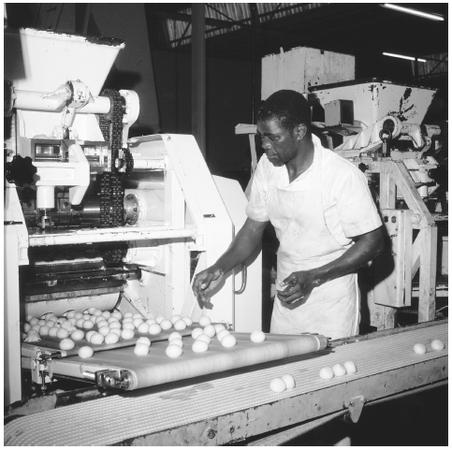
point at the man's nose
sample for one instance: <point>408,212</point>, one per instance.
<point>266,143</point>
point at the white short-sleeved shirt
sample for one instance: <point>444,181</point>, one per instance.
<point>331,192</point>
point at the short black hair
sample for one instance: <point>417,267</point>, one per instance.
<point>290,107</point>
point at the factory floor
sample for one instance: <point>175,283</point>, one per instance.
<point>416,420</point>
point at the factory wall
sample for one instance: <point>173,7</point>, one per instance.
<point>228,102</point>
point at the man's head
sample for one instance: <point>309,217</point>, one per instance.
<point>283,123</point>
<point>289,107</point>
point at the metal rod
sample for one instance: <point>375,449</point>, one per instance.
<point>198,73</point>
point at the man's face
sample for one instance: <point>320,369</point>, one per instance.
<point>278,143</point>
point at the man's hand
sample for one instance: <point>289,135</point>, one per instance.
<point>297,288</point>
<point>205,282</point>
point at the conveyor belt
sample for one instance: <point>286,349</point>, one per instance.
<point>115,419</point>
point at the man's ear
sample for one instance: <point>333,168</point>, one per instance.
<point>300,131</point>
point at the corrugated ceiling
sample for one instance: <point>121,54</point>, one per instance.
<point>222,18</point>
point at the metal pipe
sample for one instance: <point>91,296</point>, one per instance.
<point>42,101</point>
<point>198,75</point>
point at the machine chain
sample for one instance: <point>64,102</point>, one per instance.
<point>111,189</point>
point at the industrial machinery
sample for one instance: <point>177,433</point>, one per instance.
<point>99,223</point>
<point>378,125</point>
<point>95,219</point>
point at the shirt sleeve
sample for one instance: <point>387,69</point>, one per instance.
<point>257,204</point>
<point>357,211</point>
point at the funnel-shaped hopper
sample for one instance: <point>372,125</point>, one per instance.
<point>374,100</point>
<point>42,61</point>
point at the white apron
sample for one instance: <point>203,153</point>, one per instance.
<point>297,213</point>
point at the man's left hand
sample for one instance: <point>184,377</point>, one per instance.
<point>297,288</point>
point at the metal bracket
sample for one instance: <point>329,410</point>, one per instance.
<point>113,379</point>
<point>355,407</point>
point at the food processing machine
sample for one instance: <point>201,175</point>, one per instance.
<point>96,221</point>
<point>379,126</point>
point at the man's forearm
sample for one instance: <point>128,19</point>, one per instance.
<point>365,249</point>
<point>243,246</point>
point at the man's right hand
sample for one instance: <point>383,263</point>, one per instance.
<point>205,282</point>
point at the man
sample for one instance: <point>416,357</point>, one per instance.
<point>324,217</point>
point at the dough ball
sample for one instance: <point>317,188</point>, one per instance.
<point>44,330</point>
<point>173,351</point>
<point>180,325</point>
<point>97,339</point>
<point>350,367</point>
<point>143,328</point>
<point>67,344</point>
<point>187,321</point>
<point>257,336</point>
<point>85,352</point>
<point>97,313</point>
<point>78,315</point>
<point>92,310</point>
<point>420,349</point>
<point>106,314</point>
<point>116,314</point>
<point>90,334</point>
<point>154,329</point>
<point>53,331</point>
<point>437,345</point>
<point>129,326</point>
<point>141,349</point>
<point>326,373</point>
<point>174,335</point>
<point>221,334</point>
<point>175,318</point>
<point>150,321</point>
<point>196,332</point>
<point>178,342</point>
<point>137,316</point>
<point>111,338</point>
<point>277,385</point>
<point>33,321</point>
<point>159,319</point>
<point>219,327</point>
<point>113,325</point>
<point>77,335</point>
<point>32,336</point>
<point>80,323</point>
<point>88,324</point>
<point>42,322</point>
<point>137,322</point>
<point>101,323</point>
<point>204,321</point>
<point>144,340</point>
<point>229,341</point>
<point>127,334</point>
<point>62,333</point>
<point>199,346</point>
<point>67,326</point>
<point>27,327</point>
<point>87,316</point>
<point>104,331</point>
<point>209,330</point>
<point>203,337</point>
<point>116,331</point>
<point>69,314</point>
<point>339,370</point>
<point>166,324</point>
<point>127,315</point>
<point>289,381</point>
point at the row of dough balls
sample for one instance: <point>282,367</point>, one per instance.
<point>338,370</point>
<point>436,345</point>
<point>76,325</point>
